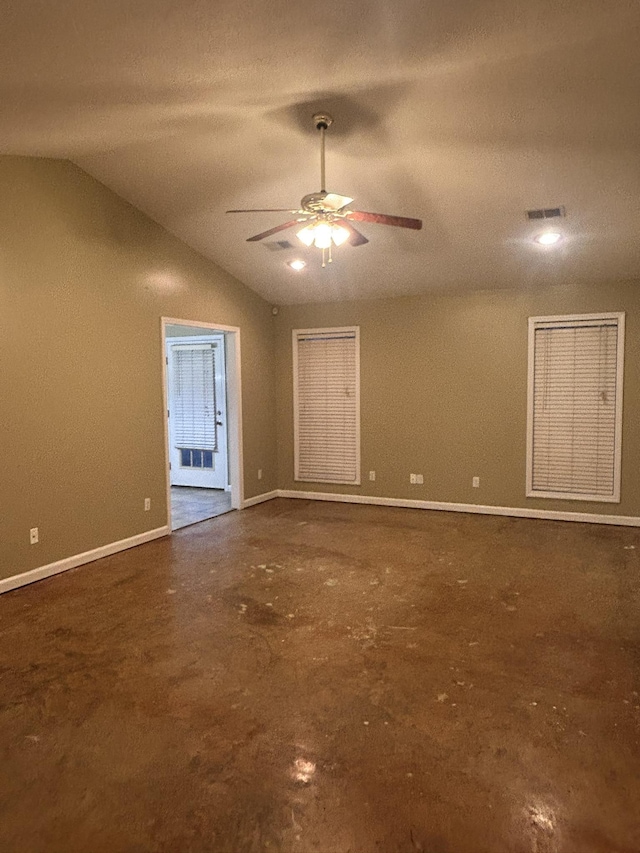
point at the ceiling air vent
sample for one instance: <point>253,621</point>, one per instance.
<point>278,245</point>
<point>546,213</point>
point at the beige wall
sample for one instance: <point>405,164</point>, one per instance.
<point>444,392</point>
<point>84,280</point>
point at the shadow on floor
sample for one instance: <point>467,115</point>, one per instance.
<point>190,505</point>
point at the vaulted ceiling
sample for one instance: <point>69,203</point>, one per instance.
<point>465,114</point>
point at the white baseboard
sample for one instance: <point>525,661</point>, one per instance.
<point>480,509</point>
<point>258,499</point>
<point>81,559</point>
<point>516,512</point>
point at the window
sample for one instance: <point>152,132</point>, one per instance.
<point>195,458</point>
<point>326,401</point>
<point>575,407</point>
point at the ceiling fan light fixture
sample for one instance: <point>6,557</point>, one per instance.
<point>322,234</point>
<point>339,235</point>
<point>307,235</point>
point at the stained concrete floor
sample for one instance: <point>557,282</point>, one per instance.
<point>322,677</point>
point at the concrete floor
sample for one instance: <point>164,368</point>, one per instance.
<point>323,677</point>
<point>190,505</point>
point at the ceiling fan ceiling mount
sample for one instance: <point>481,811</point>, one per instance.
<point>322,121</point>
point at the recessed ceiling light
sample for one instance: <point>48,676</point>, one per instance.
<point>297,265</point>
<point>549,238</point>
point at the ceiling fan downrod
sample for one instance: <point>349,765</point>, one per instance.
<point>322,121</point>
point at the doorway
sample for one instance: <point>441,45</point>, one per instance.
<point>202,420</point>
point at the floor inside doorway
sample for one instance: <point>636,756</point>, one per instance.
<point>190,505</point>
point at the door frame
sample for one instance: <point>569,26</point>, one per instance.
<point>234,405</point>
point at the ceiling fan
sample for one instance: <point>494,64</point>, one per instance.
<point>327,220</point>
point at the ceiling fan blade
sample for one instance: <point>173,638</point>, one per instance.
<point>383,219</point>
<point>355,237</point>
<point>266,210</point>
<point>333,201</point>
<point>275,230</point>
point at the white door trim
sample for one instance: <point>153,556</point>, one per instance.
<point>234,406</point>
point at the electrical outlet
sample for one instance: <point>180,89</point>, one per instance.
<point>372,475</point>
<point>34,536</point>
<point>259,473</point>
<point>147,504</point>
<point>412,479</point>
<point>476,482</point>
<point>419,479</point>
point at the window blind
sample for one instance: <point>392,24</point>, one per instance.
<point>327,405</point>
<point>194,396</point>
<point>575,408</point>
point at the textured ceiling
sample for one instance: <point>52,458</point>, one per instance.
<point>464,114</point>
